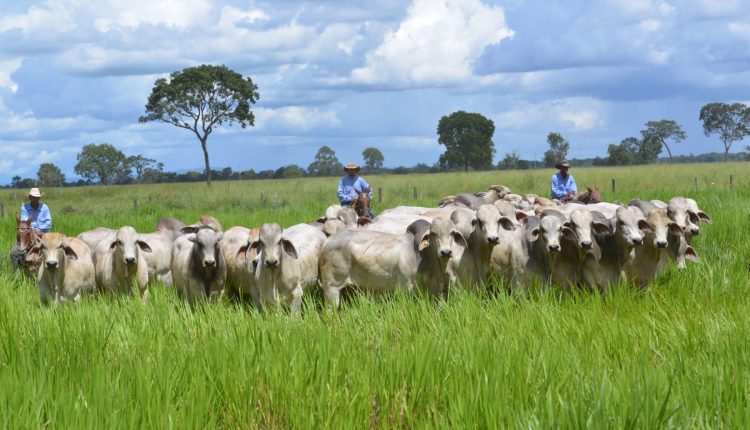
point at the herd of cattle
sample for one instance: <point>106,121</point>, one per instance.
<point>522,241</point>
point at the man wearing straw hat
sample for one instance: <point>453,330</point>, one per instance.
<point>562,185</point>
<point>351,185</point>
<point>41,222</point>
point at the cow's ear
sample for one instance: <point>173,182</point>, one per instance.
<point>507,223</point>
<point>321,219</point>
<point>18,219</point>
<point>241,255</point>
<point>424,242</point>
<point>193,239</point>
<point>143,245</point>
<point>289,248</point>
<point>705,218</point>
<point>691,255</point>
<point>220,237</point>
<point>603,229</point>
<point>569,234</point>
<point>70,252</point>
<point>520,216</point>
<point>255,246</point>
<point>534,234</point>
<point>674,229</point>
<point>694,218</point>
<point>189,229</point>
<point>645,226</point>
<point>473,222</point>
<point>459,238</point>
<point>113,245</point>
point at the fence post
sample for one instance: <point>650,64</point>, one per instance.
<point>730,181</point>
<point>275,200</point>
<point>613,185</point>
<point>2,210</point>
<point>415,193</point>
<point>135,203</point>
<point>696,183</point>
<point>380,195</point>
<point>149,198</point>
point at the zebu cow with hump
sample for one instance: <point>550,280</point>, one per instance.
<point>288,263</point>
<point>472,269</point>
<point>121,262</point>
<point>198,267</point>
<point>66,271</point>
<point>617,250</point>
<point>380,262</point>
<point>241,261</point>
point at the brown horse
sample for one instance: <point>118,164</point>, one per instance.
<point>27,237</point>
<point>589,196</point>
<point>361,206</point>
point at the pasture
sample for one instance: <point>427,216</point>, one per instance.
<point>675,355</point>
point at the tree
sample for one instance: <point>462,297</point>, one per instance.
<point>373,158</point>
<point>648,151</point>
<point>661,131</point>
<point>468,140</point>
<point>102,162</point>
<point>15,182</point>
<point>141,165</point>
<point>626,153</point>
<point>558,149</point>
<point>730,121</point>
<point>289,171</point>
<point>201,98</point>
<point>325,163</point>
<point>50,175</point>
<point>511,161</point>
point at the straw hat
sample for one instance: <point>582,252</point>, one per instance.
<point>34,192</point>
<point>352,166</point>
<point>562,163</point>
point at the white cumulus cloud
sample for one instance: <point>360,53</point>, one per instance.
<point>438,42</point>
<point>7,67</point>
<point>576,113</point>
<point>296,118</point>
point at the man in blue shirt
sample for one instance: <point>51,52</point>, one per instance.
<point>351,184</point>
<point>562,185</point>
<point>41,222</point>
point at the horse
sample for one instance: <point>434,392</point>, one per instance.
<point>589,196</point>
<point>361,206</point>
<point>26,238</point>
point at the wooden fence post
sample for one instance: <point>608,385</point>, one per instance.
<point>730,181</point>
<point>415,193</point>
<point>613,185</point>
<point>696,183</point>
<point>149,198</point>
<point>380,195</point>
<point>135,203</point>
<point>275,200</point>
<point>2,210</point>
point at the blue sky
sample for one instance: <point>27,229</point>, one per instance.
<point>355,74</point>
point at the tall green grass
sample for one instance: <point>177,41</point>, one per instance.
<point>676,355</point>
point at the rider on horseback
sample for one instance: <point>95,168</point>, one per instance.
<point>351,186</point>
<point>41,222</point>
<point>562,185</point>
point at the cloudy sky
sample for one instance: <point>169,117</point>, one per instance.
<point>351,74</point>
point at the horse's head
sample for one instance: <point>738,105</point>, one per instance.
<point>25,234</point>
<point>361,204</point>
<point>595,194</point>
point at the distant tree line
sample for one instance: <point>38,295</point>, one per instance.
<point>466,136</point>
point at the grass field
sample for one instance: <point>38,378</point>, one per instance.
<point>677,355</point>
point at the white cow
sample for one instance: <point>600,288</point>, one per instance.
<point>241,262</point>
<point>66,271</point>
<point>198,267</point>
<point>288,263</point>
<point>121,262</point>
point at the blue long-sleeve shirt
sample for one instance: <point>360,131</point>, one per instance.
<point>347,185</point>
<point>41,219</point>
<point>560,187</point>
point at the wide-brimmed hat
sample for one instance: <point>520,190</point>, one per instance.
<point>562,163</point>
<point>352,166</point>
<point>34,192</point>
